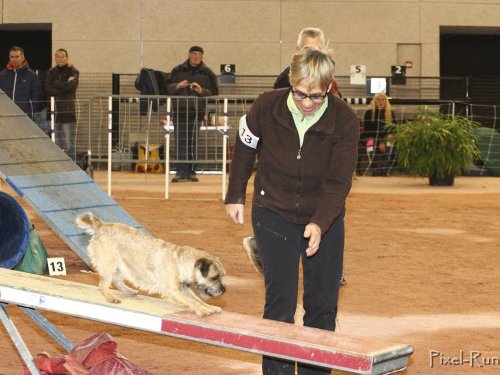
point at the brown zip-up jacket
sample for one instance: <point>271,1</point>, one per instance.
<point>307,184</point>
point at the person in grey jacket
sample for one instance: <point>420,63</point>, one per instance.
<point>21,84</point>
<point>307,140</point>
<point>61,83</point>
<point>191,78</point>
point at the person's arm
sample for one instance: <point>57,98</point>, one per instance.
<point>73,81</point>
<point>36,94</point>
<point>176,83</point>
<point>50,88</point>
<point>367,132</point>
<point>213,88</point>
<point>241,169</point>
<point>245,150</point>
<point>338,178</point>
<point>68,84</point>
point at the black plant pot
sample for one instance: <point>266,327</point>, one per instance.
<point>441,180</point>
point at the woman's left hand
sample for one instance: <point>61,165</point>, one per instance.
<point>236,212</point>
<point>313,232</point>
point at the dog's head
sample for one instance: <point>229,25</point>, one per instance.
<point>207,278</point>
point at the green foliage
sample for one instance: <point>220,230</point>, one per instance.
<point>435,145</point>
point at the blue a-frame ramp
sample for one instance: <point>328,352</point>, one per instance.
<point>49,181</point>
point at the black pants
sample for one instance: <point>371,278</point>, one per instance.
<point>186,141</point>
<point>282,246</point>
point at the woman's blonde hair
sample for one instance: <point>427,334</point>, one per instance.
<point>313,64</point>
<point>387,109</point>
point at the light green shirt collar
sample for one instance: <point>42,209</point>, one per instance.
<point>304,122</point>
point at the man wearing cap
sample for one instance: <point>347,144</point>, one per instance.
<point>191,78</point>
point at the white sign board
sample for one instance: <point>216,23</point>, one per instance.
<point>358,74</point>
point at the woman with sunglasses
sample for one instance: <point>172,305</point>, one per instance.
<point>307,143</point>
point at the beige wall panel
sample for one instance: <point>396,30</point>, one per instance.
<point>250,58</point>
<point>413,54</point>
<point>342,21</point>
<point>471,2</point>
<point>102,56</point>
<point>435,15</point>
<point>79,20</point>
<point>218,21</point>
<point>258,36</point>
<point>430,60</point>
<point>378,58</point>
<point>286,53</point>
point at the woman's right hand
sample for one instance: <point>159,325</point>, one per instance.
<point>235,211</point>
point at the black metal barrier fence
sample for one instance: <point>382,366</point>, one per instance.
<point>198,125</point>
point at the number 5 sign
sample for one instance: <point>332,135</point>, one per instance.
<point>358,74</point>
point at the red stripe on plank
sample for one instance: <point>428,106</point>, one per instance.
<point>267,346</point>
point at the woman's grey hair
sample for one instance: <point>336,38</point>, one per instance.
<point>310,32</point>
<point>314,65</point>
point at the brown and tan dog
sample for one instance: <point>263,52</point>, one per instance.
<point>122,253</point>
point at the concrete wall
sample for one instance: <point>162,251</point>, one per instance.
<point>258,36</point>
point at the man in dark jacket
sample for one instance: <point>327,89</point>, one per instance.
<point>191,78</point>
<point>61,83</point>
<point>20,83</point>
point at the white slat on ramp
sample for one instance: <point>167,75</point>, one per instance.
<point>49,181</point>
<point>231,330</point>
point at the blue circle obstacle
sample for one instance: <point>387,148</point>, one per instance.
<point>14,231</point>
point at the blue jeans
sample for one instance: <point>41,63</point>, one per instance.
<point>282,246</point>
<point>42,122</point>
<point>65,137</point>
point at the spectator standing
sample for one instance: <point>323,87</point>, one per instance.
<point>312,37</point>
<point>191,78</point>
<point>61,83</point>
<point>307,142</point>
<point>21,84</point>
<point>374,137</point>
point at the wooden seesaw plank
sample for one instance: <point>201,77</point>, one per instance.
<point>227,329</point>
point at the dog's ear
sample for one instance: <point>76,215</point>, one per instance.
<point>204,265</point>
<point>219,265</point>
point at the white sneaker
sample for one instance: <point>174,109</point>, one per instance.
<point>252,251</point>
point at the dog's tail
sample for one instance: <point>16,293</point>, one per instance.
<point>89,222</point>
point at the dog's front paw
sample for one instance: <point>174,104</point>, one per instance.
<point>207,310</point>
<point>113,299</point>
<point>216,309</point>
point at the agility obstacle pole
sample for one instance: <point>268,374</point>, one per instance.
<point>227,329</point>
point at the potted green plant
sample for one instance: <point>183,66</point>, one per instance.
<point>436,146</point>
